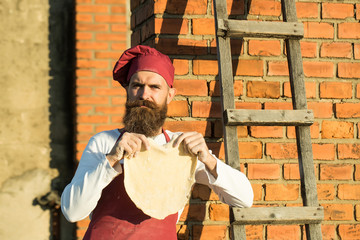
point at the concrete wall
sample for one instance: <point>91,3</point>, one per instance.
<point>25,173</point>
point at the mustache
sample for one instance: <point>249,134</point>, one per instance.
<point>141,103</point>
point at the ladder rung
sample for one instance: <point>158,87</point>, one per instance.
<point>277,215</point>
<point>242,28</point>
<point>241,117</point>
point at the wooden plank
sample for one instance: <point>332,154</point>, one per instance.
<point>303,138</point>
<point>238,232</point>
<point>278,215</point>
<point>243,28</point>
<point>226,87</point>
<point>245,117</point>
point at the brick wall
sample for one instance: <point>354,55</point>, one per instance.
<point>185,30</point>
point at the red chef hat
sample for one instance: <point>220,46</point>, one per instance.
<point>143,58</point>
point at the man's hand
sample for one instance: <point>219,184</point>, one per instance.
<point>194,143</point>
<point>127,146</point>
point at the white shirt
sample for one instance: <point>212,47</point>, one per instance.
<point>94,173</point>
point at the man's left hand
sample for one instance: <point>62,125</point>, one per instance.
<point>194,144</point>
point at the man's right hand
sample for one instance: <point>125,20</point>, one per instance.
<point>128,145</point>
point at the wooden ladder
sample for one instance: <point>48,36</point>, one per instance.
<point>311,214</point>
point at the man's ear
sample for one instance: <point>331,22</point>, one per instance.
<point>171,95</point>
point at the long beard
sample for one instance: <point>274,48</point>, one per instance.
<point>144,120</point>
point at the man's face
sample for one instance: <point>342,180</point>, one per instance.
<point>147,97</point>
<point>150,86</point>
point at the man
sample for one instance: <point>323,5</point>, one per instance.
<point>97,187</point>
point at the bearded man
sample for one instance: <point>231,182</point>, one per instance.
<point>98,185</point>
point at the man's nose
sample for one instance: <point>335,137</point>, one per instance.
<point>144,93</point>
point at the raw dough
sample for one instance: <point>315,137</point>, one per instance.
<point>159,180</point>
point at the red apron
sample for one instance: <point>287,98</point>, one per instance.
<point>116,217</point>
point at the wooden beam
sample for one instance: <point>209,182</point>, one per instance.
<point>277,215</point>
<point>243,28</point>
<point>246,117</point>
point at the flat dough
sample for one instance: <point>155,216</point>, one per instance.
<point>159,180</point>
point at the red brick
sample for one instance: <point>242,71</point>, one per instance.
<point>118,100</point>
<point>314,131</point>
<point>247,105</point>
<point>326,191</point>
<point>263,171</point>
<point>203,26</point>
<point>91,27</point>
<point>266,131</point>
<point>83,137</point>
<point>357,11</point>
<point>91,46</point>
<point>357,212</point>
<point>84,18</point>
<point>349,191</point>
<point>235,44</point>
<point>202,127</point>
<point>92,8</point>
<point>84,36</point>
<point>318,30</point>
<point>191,87</point>
<point>110,110</point>
<point>310,88</point>
<point>110,18</point>
<point>83,73</point>
<point>203,192</point>
<point>257,189</point>
<point>318,69</point>
<point>328,232</point>
<point>307,10</point>
<point>336,90</point>
<point>358,90</point>
<point>349,30</point>
<point>109,91</point>
<point>206,109</point>
<point>349,70</point>
<point>84,54</point>
<point>119,46</point>
<point>254,231</point>
<point>338,212</point>
<point>98,64</point>
<point>107,55</point>
<point>349,231</point>
<point>281,192</point>
<point>357,50</point>
<point>264,48</point>
<point>92,100</point>
<point>250,150</point>
<point>178,109</point>
<point>117,120</point>
<point>83,91</point>
<point>181,66</point>
<point>242,131</point>
<point>107,127</point>
<point>187,7</point>
<point>335,172</point>
<point>248,67</point>
<point>281,150</point>
<point>123,28</point>
<point>324,151</point>
<point>278,68</point>
<point>209,232</point>
<point>321,109</point>
<point>219,212</point>
<point>83,109</point>
<point>308,49</point>
<point>205,67</point>
<point>336,49</point>
<point>278,105</point>
<point>265,8</point>
<point>214,88</point>
<point>171,26</point>
<point>118,9</point>
<point>261,89</point>
<point>291,171</point>
<point>93,119</point>
<point>357,173</point>
<point>337,129</point>
<point>110,1</point>
<point>337,10</point>
<point>348,151</point>
<point>195,212</point>
<point>84,128</point>
<point>283,232</point>
<point>110,37</point>
<point>347,110</point>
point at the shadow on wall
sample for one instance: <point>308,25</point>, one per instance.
<point>61,108</point>
<point>238,10</point>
